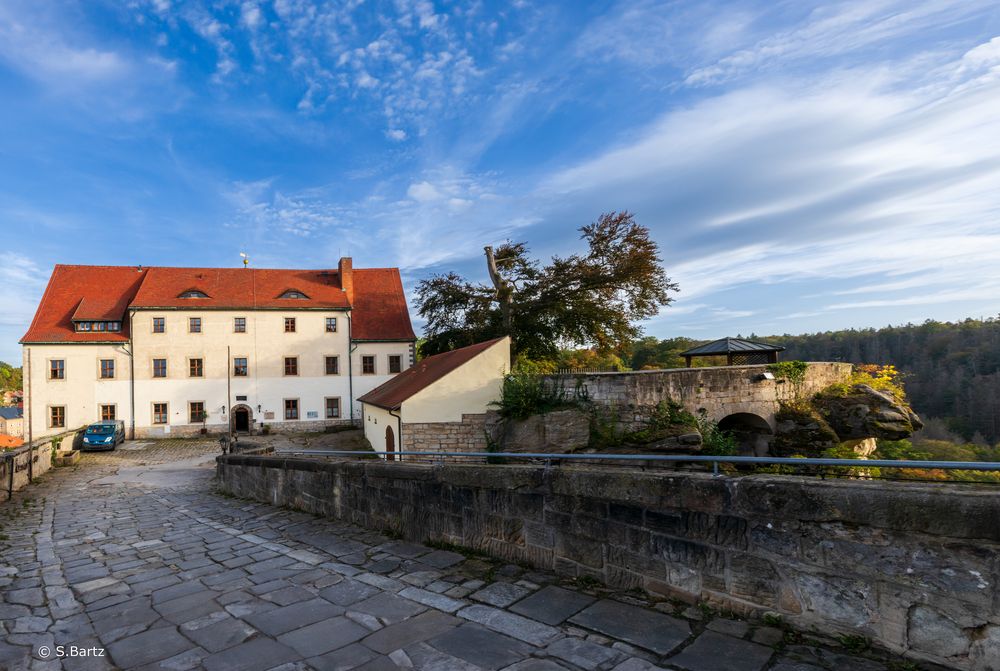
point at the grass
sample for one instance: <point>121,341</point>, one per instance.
<point>854,643</point>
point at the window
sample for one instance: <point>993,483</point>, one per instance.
<point>291,408</point>
<point>194,325</point>
<point>57,416</point>
<point>289,324</point>
<point>159,367</point>
<point>240,368</point>
<point>107,369</point>
<point>332,365</point>
<point>291,365</point>
<point>395,363</point>
<point>332,408</point>
<point>108,413</point>
<point>194,293</point>
<point>196,411</point>
<point>294,293</point>
<point>98,326</point>
<point>159,413</point>
<point>239,325</point>
<point>196,367</point>
<point>331,324</point>
<point>57,369</point>
<point>367,365</point>
<point>159,325</point>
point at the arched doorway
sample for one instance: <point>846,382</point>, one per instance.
<point>242,419</point>
<point>390,444</point>
<point>752,433</point>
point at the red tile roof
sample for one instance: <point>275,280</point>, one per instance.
<point>74,288</point>
<point>425,373</point>
<point>9,442</point>
<point>240,288</point>
<point>380,306</point>
<point>104,293</point>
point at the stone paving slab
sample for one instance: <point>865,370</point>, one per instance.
<point>487,649</point>
<point>714,651</point>
<point>652,631</point>
<point>165,574</point>
<point>552,605</point>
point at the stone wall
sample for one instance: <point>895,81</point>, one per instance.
<point>721,390</point>
<point>912,566</point>
<point>18,467</point>
<point>469,435</point>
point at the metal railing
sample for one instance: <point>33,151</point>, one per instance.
<point>715,461</point>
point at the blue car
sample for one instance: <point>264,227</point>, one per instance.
<point>104,435</point>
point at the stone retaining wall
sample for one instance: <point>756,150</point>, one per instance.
<point>24,464</point>
<point>912,566</point>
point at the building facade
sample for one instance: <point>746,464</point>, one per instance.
<point>12,422</point>
<point>178,351</point>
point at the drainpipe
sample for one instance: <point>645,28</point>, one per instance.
<point>131,374</point>
<point>399,431</point>
<point>27,361</point>
<point>350,367</point>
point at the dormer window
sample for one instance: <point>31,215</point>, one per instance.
<point>193,293</point>
<point>295,294</point>
<point>82,326</point>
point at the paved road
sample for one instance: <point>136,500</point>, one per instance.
<point>133,554</point>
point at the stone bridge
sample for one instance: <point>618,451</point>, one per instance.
<point>740,398</point>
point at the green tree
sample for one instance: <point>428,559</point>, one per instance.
<point>10,377</point>
<point>592,300</point>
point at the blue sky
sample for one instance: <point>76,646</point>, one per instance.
<point>803,165</point>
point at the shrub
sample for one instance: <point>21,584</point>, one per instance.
<point>880,378</point>
<point>526,393</point>
<point>793,371</point>
<point>715,441</point>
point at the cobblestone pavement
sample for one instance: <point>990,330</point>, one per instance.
<point>132,553</point>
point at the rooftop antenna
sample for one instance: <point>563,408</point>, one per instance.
<point>246,259</point>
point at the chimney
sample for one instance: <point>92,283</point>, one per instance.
<point>346,272</point>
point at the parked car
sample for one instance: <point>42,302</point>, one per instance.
<point>104,435</point>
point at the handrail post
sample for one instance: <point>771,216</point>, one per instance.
<point>715,469</point>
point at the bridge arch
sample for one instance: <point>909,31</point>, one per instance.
<point>752,432</point>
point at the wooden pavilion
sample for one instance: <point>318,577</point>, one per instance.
<point>738,352</point>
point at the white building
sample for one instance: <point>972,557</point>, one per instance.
<point>11,422</point>
<point>441,403</point>
<point>174,350</point>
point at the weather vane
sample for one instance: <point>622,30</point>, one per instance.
<point>246,259</point>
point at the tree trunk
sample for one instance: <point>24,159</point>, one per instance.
<point>505,293</point>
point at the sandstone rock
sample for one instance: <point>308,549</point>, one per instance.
<point>930,631</point>
<point>863,447</point>
<point>559,432</point>
<point>801,431</point>
<point>867,413</point>
<point>985,651</point>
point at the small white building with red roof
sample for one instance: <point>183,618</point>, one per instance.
<point>441,404</point>
<point>175,351</point>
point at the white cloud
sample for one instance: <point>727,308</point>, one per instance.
<point>396,134</point>
<point>33,46</point>
<point>423,192</point>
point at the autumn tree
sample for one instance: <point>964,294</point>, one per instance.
<point>595,299</point>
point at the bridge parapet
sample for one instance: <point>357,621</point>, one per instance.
<point>721,390</point>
